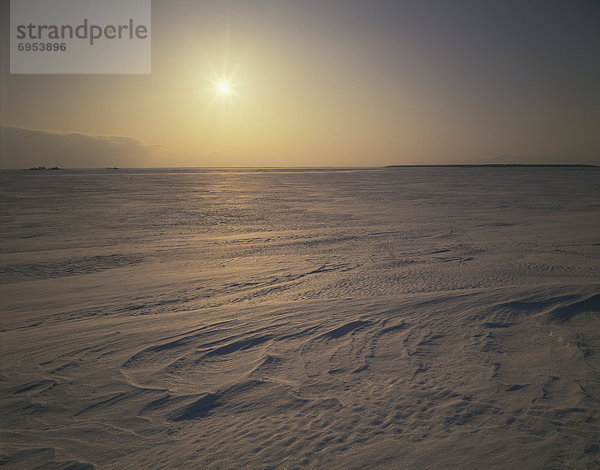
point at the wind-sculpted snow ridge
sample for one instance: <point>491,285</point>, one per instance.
<point>423,379</point>
<point>351,320</point>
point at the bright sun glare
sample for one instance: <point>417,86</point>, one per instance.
<point>223,88</point>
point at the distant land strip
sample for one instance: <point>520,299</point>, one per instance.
<point>503,165</point>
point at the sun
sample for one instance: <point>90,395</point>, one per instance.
<point>223,88</point>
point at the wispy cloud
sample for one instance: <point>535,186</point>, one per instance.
<point>22,147</point>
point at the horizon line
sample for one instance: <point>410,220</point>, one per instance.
<point>416,165</point>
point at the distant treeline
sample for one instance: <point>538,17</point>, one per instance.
<point>38,168</point>
<point>43,168</point>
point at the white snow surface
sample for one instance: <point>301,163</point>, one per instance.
<point>392,318</point>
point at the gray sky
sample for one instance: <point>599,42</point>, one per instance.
<point>327,83</point>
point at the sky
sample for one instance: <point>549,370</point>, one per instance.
<point>325,83</point>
